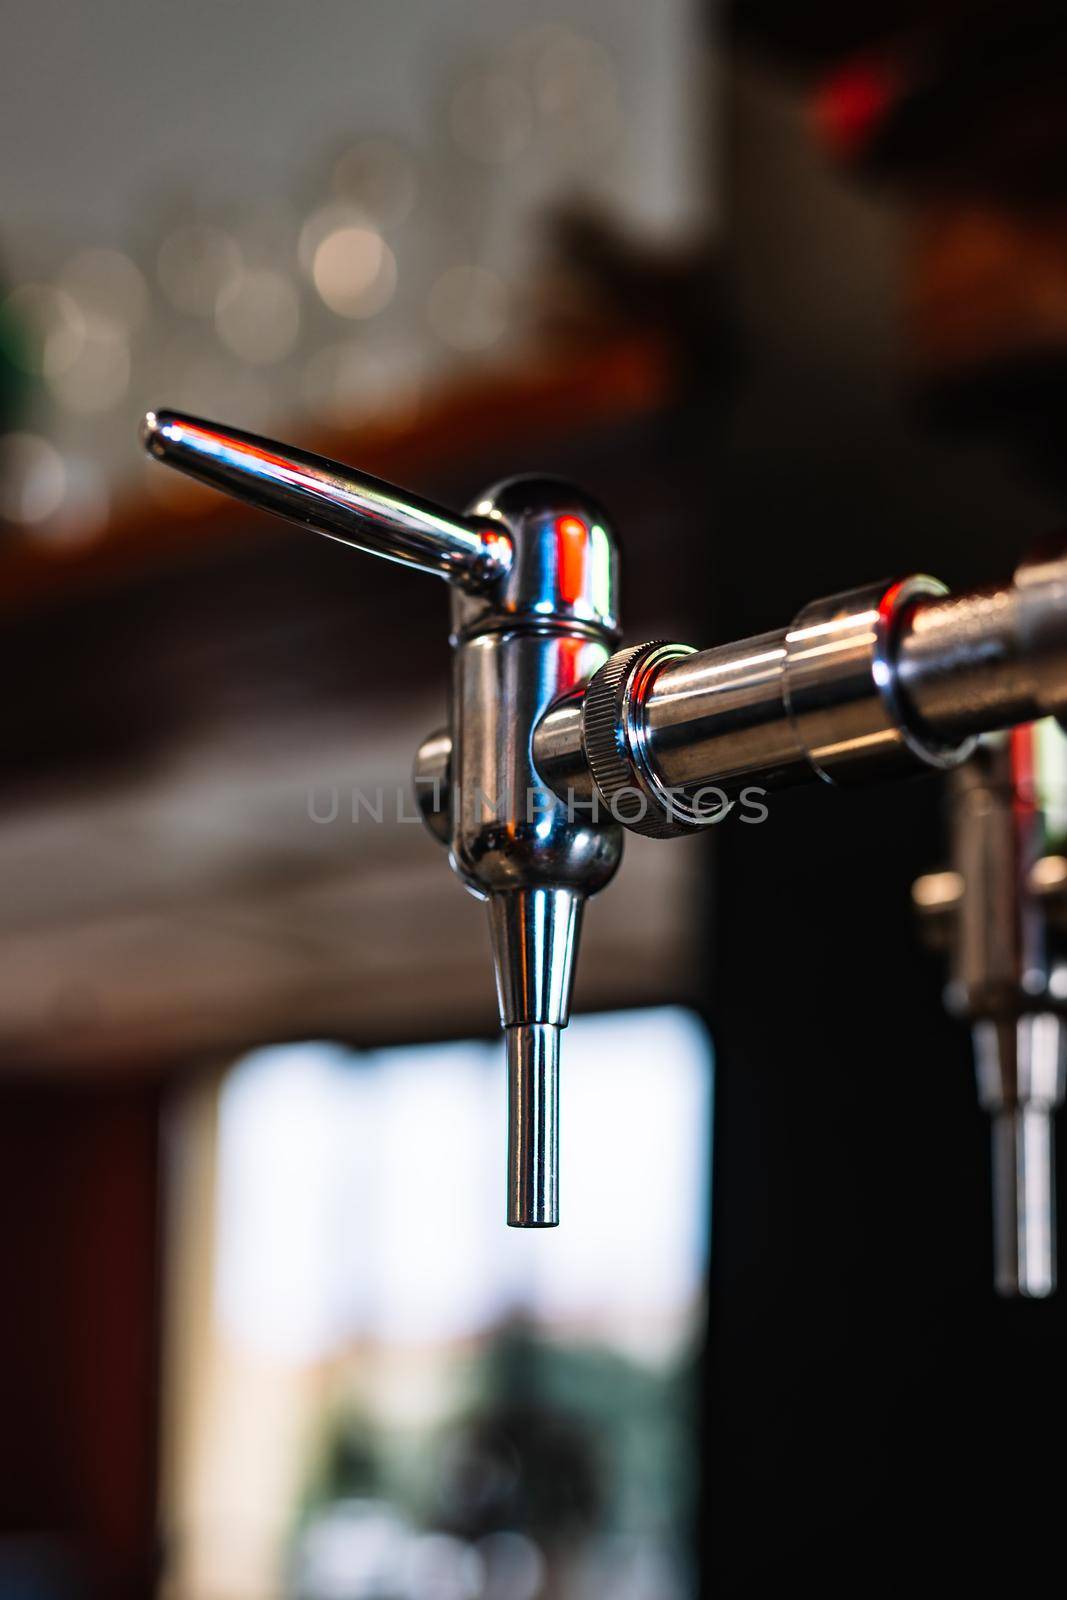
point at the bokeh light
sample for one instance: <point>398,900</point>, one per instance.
<point>33,478</point>
<point>259,318</point>
<point>109,289</point>
<point>491,117</point>
<point>51,328</point>
<point>379,177</point>
<point>468,308</point>
<point>354,271</point>
<point>197,264</point>
<point>98,377</point>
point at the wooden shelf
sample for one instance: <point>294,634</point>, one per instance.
<point>595,385</point>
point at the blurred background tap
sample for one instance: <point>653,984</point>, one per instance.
<point>998,913</point>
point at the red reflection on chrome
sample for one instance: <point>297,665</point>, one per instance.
<point>253,458</point>
<point>1023,768</point>
<point>572,543</point>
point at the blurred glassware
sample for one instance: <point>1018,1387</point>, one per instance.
<point>197,265</point>
<point>33,478</point>
<point>380,178</point>
<point>390,271</point>
<point>98,376</point>
<point>348,380</point>
<point>108,288</point>
<point>84,509</point>
<point>50,328</point>
<point>575,91</point>
<point>490,116</point>
<point>354,271</point>
<point>320,224</point>
<point>259,317</point>
<point>468,308</point>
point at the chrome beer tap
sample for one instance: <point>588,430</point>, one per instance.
<point>1000,913</point>
<point>557,739</point>
<point>533,571</point>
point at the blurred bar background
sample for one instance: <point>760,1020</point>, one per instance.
<point>786,288</point>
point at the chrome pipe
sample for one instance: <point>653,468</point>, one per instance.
<point>723,712</point>
<point>1024,1228</point>
<point>994,657</point>
<point>533,1124</point>
<point>534,935</point>
<point>884,680</point>
<point>961,665</point>
<point>957,666</point>
<point>1022,1105</point>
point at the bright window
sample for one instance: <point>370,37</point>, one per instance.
<point>411,1401</point>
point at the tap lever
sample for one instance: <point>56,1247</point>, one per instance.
<point>332,499</point>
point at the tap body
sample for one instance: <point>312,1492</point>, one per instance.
<point>517,648</point>
<point>533,573</point>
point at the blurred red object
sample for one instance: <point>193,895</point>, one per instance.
<point>852,104</point>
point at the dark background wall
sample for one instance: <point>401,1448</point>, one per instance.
<point>876,1417</point>
<point>79,1339</point>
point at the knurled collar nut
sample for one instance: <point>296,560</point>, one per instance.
<point>616,747</point>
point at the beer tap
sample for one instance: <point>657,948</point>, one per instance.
<point>1000,912</point>
<point>558,739</point>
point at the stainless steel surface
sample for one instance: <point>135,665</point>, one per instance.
<point>563,566</point>
<point>559,748</point>
<point>615,736</point>
<point>1024,1231</point>
<point>533,1124</point>
<point>513,841</point>
<point>993,657</point>
<point>893,678</point>
<point>433,783</point>
<point>1019,1064</point>
<point>1000,915</point>
<point>535,938</point>
<point>1041,585</point>
<point>331,499</point>
<point>841,685</point>
<point>534,933</point>
<point>545,724</point>
<point>678,732</point>
<point>721,716</point>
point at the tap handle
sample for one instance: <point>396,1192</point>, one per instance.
<point>331,499</point>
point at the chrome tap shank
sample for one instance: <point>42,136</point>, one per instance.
<point>890,679</point>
